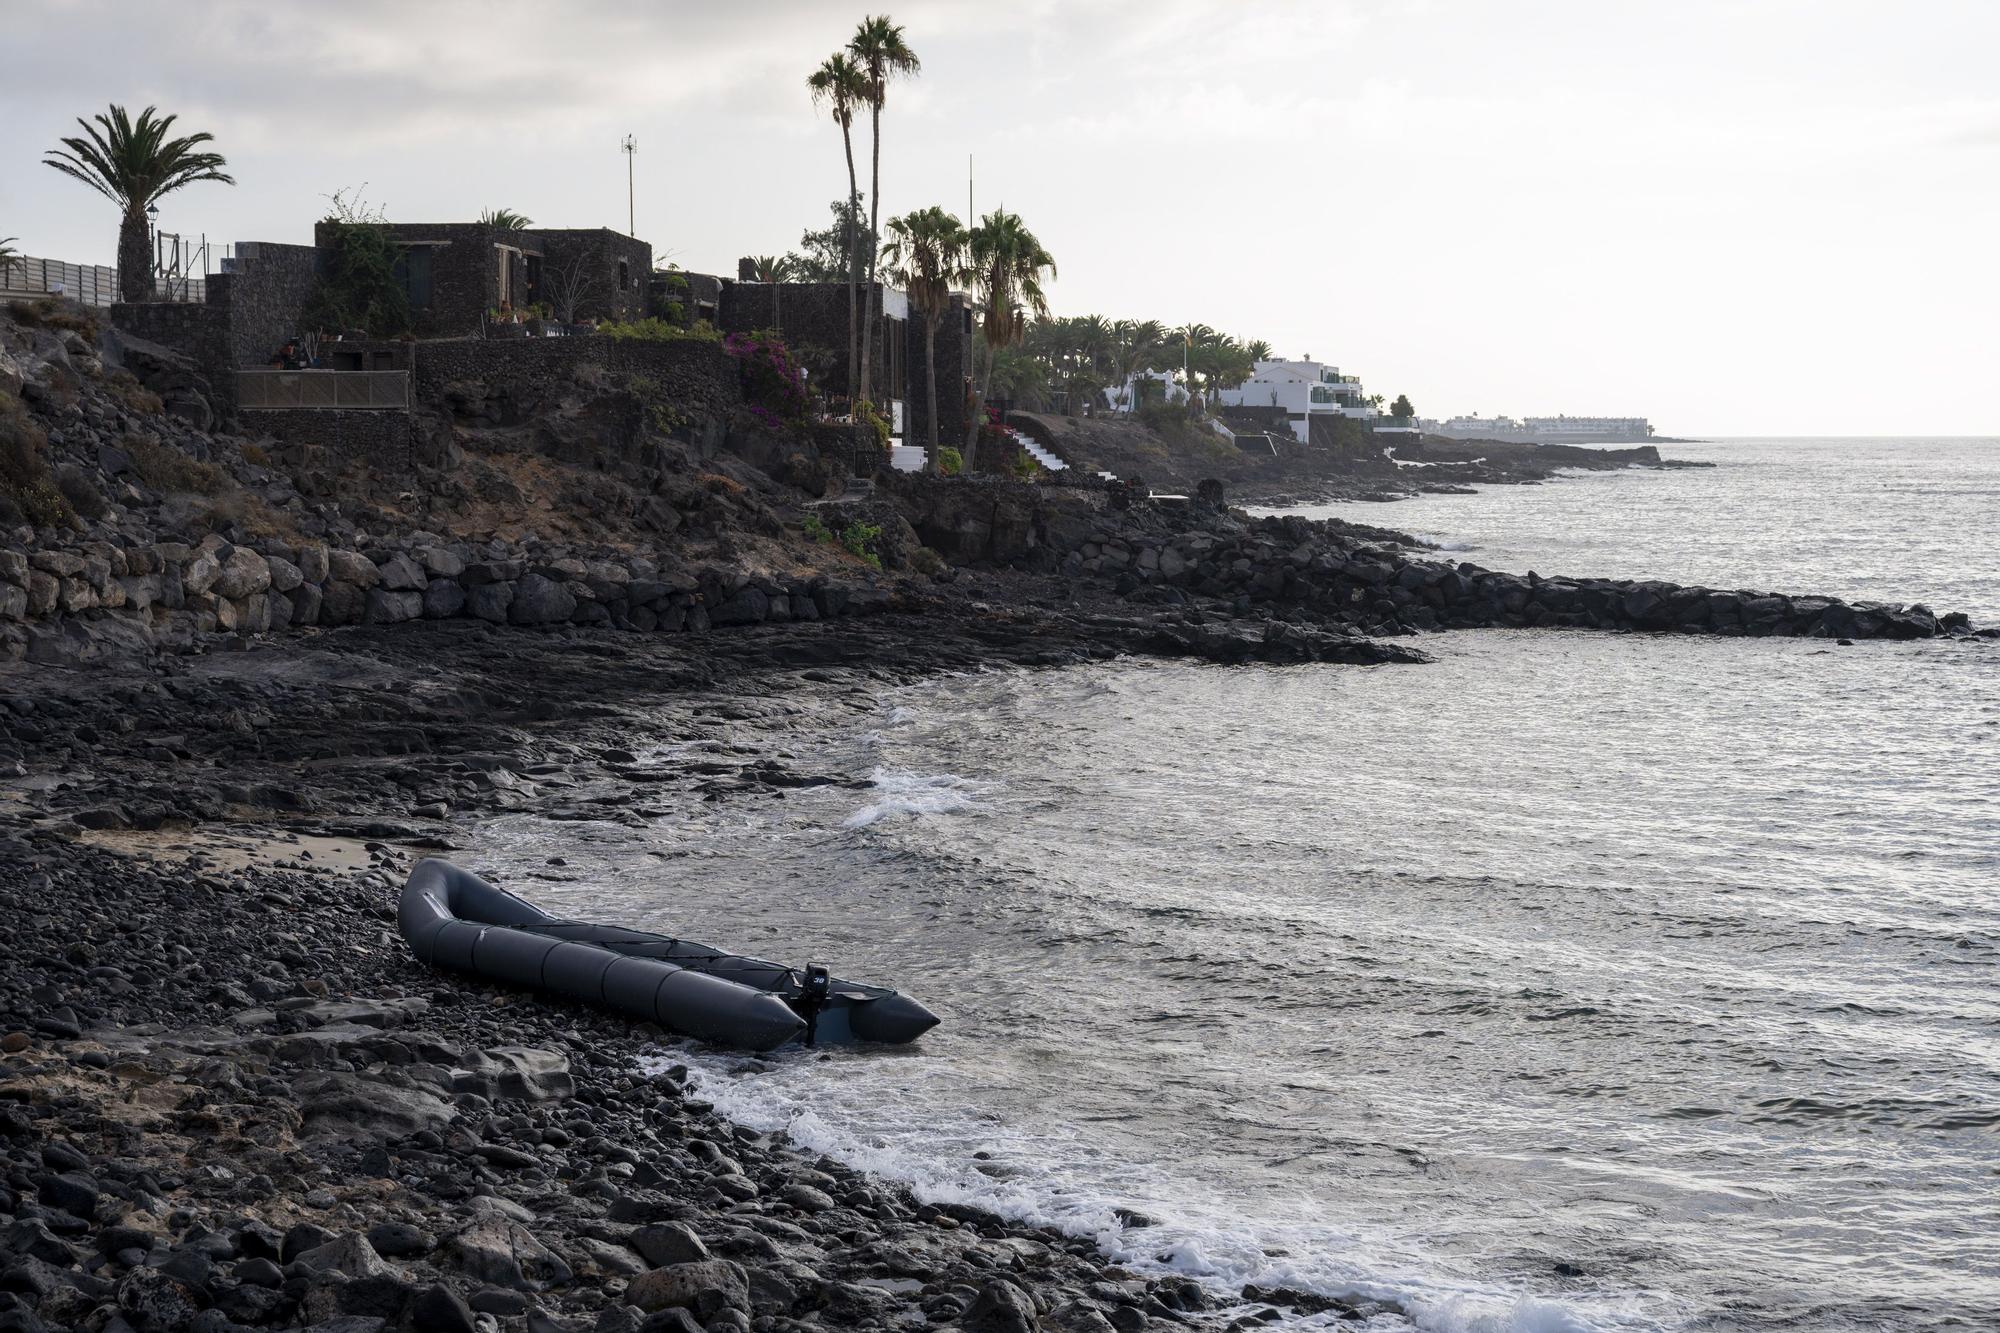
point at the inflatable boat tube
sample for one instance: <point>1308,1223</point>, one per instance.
<point>453,919</point>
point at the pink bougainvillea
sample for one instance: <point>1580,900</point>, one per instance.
<point>774,384</point>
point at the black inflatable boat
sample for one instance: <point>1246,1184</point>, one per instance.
<point>454,919</point>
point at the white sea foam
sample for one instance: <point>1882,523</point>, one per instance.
<point>849,1109</point>
<point>1443,543</point>
<point>901,793</point>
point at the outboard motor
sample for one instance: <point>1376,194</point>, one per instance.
<point>814,991</point>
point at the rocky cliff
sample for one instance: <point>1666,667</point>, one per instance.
<point>129,522</point>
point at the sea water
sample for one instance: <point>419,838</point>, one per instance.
<point>1576,981</point>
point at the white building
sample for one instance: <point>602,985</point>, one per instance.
<point>1588,428</point>
<point>1476,427</point>
<point>1146,387</point>
<point>1544,430</point>
<point>1304,389</point>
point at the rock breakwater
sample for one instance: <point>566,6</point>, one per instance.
<point>1293,562</point>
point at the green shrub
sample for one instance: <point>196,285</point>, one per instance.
<point>166,469</point>
<point>246,516</point>
<point>950,461</point>
<point>660,410</point>
<point>48,313</point>
<point>136,397</point>
<point>865,413</point>
<point>860,540</point>
<point>656,330</point>
<point>26,480</point>
<point>358,287</point>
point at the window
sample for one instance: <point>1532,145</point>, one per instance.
<point>624,276</point>
<point>413,271</point>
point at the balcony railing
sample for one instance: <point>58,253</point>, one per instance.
<point>384,390</point>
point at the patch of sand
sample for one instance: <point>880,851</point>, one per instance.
<point>221,849</point>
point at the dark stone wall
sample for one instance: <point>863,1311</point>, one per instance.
<point>465,271</point>
<point>812,317</point>
<point>264,296</point>
<point>702,298</point>
<point>247,315</point>
<point>465,276</point>
<point>200,332</point>
<point>379,438</point>
<point>618,268</point>
<point>692,374</point>
<point>851,450</point>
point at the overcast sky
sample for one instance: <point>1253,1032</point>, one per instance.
<point>1752,216</point>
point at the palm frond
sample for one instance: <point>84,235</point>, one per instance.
<point>840,85</point>
<point>881,51</point>
<point>505,219</point>
<point>133,162</point>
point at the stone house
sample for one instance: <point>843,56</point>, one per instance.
<point>455,273</point>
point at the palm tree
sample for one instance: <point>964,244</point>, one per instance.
<point>927,251</point>
<point>1140,344</point>
<point>134,164</point>
<point>1214,361</point>
<point>505,219</point>
<point>1259,350</point>
<point>841,86</point>
<point>1021,374</point>
<point>878,48</point>
<point>776,270</point>
<point>9,256</point>
<point>1008,266</point>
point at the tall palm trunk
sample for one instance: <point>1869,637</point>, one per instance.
<point>853,263</point>
<point>874,231</point>
<point>983,379</point>
<point>932,462</point>
<point>135,257</point>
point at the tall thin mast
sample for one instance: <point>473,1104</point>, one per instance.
<point>631,147</point>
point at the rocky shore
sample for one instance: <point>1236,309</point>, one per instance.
<point>230,1098</point>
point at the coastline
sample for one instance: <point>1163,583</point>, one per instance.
<point>231,1094</point>
<point>335,1129</point>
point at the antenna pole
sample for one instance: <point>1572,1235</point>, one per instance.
<point>971,213</point>
<point>631,147</point>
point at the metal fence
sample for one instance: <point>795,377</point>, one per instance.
<point>92,284</point>
<point>387,390</point>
